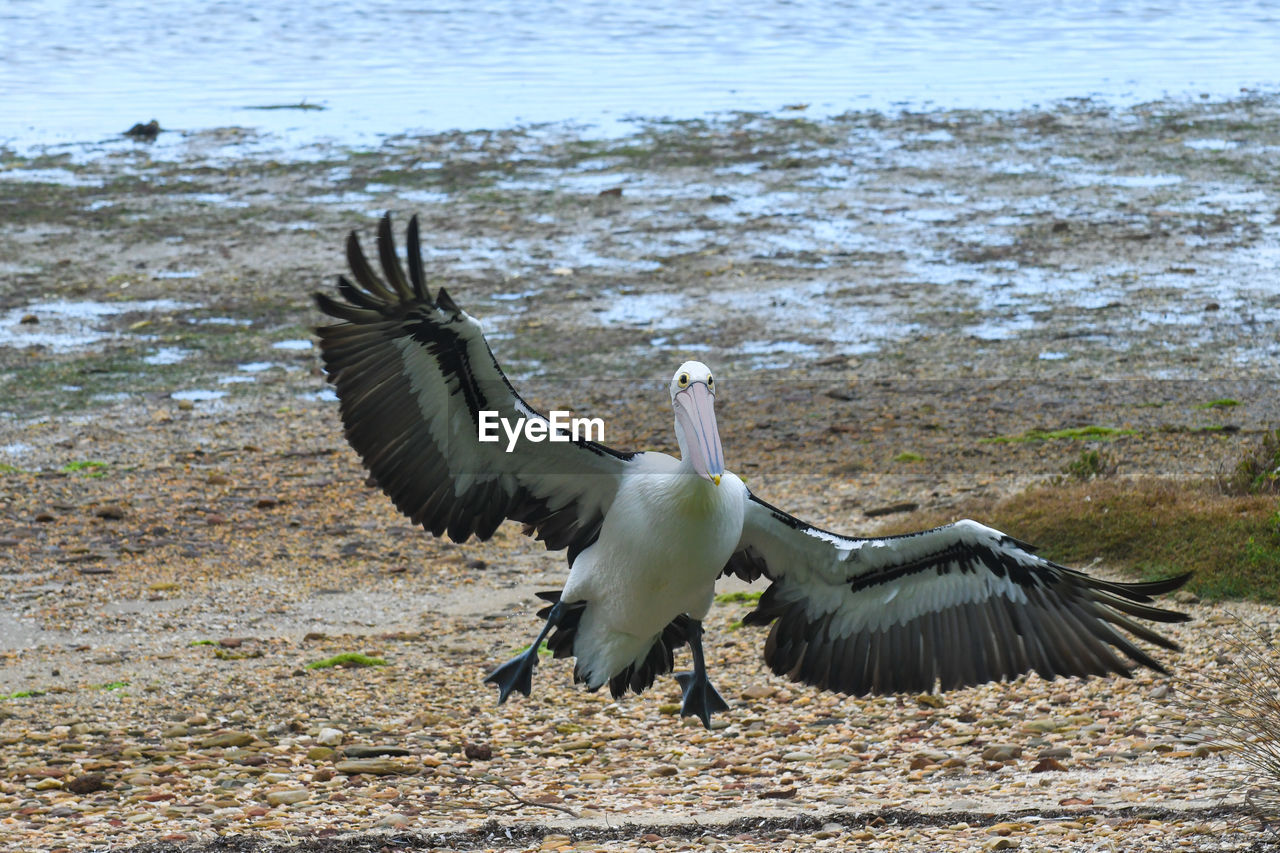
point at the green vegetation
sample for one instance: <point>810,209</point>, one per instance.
<point>1258,471</point>
<point>908,456</point>
<point>204,642</point>
<point>88,467</point>
<point>1238,701</point>
<point>1152,528</point>
<point>542,649</point>
<point>1085,432</point>
<point>237,654</point>
<point>1224,403</point>
<point>23,694</point>
<point>731,597</point>
<point>347,659</point>
<point>1089,465</point>
<point>9,469</point>
<point>110,685</point>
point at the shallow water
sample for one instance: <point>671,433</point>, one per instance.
<point>88,70</point>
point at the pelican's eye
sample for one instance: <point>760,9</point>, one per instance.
<point>683,380</point>
<point>711,382</point>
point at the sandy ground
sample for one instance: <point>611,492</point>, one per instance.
<point>183,530</point>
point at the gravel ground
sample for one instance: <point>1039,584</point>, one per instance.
<point>173,558</point>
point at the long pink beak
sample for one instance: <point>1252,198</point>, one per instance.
<point>695,408</point>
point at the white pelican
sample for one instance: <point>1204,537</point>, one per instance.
<point>647,534</point>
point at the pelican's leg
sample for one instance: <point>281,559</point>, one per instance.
<point>700,698</point>
<point>517,673</point>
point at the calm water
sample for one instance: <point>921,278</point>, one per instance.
<point>85,70</point>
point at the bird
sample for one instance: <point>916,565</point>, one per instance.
<point>647,534</point>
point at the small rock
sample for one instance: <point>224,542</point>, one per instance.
<point>1001,844</point>
<point>48,784</point>
<point>144,131</point>
<point>394,821</point>
<point>320,753</point>
<point>829,830</point>
<point>29,319</point>
<point>372,766</point>
<point>664,771</point>
<point>329,737</point>
<point>1046,765</point>
<point>373,751</point>
<point>1160,691</point>
<point>324,774</point>
<point>1002,752</point>
<point>1055,752</point>
<point>88,783</point>
<point>110,512</point>
<point>1186,596</point>
<point>267,503</point>
<point>759,691</point>
<point>226,740</point>
<point>287,798</point>
<point>477,564</point>
<point>478,751</point>
<point>1042,725</point>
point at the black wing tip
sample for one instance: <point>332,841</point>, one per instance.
<point>445,302</point>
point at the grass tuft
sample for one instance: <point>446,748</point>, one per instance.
<point>347,659</point>
<point>1258,471</point>
<point>1089,465</point>
<point>1239,702</point>
<point>1085,432</point>
<point>908,456</point>
<point>1224,403</point>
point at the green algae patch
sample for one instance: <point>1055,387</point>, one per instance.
<point>349,660</point>
<point>1101,433</point>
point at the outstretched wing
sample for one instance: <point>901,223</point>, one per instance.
<point>957,605</point>
<point>413,374</point>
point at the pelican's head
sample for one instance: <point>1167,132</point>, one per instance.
<point>693,393</point>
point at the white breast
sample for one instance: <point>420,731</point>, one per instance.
<point>661,547</point>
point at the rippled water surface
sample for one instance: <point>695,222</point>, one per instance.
<point>87,70</point>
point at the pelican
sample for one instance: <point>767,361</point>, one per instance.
<point>647,534</point>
